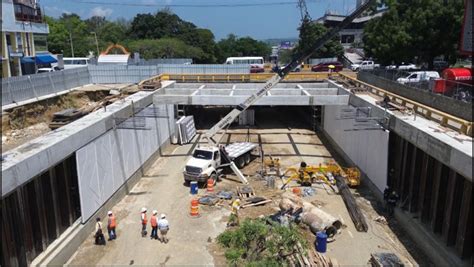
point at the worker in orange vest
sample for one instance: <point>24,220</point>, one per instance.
<point>154,225</point>
<point>144,222</point>
<point>111,224</point>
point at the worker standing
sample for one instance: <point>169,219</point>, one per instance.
<point>111,224</point>
<point>154,225</point>
<point>234,215</point>
<point>99,235</point>
<point>163,226</point>
<point>392,202</point>
<point>144,222</point>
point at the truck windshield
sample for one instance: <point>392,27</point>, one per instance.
<point>202,154</point>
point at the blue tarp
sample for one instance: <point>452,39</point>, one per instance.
<point>27,60</point>
<point>45,59</point>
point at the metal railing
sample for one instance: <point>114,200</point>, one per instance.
<point>21,88</point>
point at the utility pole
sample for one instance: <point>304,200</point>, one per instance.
<point>96,43</point>
<point>72,47</point>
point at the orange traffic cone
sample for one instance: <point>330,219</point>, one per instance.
<point>194,207</point>
<point>210,185</point>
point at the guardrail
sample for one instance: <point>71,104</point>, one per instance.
<point>444,119</point>
<point>251,77</point>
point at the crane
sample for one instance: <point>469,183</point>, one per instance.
<point>202,165</point>
<point>281,74</point>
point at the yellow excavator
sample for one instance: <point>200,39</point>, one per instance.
<point>308,174</point>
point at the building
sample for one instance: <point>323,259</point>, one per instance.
<point>24,33</point>
<point>352,35</point>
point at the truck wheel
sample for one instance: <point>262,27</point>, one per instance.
<point>240,161</point>
<point>247,158</point>
<point>214,177</point>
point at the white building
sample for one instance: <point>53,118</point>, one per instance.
<point>24,33</point>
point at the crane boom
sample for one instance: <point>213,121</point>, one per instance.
<point>281,74</point>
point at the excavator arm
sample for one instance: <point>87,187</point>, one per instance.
<point>280,75</point>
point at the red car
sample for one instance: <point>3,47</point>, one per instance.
<point>325,66</point>
<point>256,69</point>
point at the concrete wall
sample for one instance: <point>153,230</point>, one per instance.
<point>106,163</point>
<point>367,149</point>
<point>449,105</point>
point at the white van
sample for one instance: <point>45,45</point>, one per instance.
<point>75,62</point>
<point>418,76</point>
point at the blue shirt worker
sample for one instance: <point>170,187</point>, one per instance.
<point>163,226</point>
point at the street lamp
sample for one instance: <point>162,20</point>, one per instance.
<point>96,43</point>
<point>72,47</point>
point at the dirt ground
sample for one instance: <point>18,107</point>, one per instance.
<point>192,240</point>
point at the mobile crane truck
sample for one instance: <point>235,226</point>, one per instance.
<point>207,161</point>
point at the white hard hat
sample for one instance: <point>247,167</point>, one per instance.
<point>143,209</point>
<point>155,212</point>
<point>109,212</point>
<point>163,216</point>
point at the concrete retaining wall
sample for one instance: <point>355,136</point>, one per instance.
<point>449,105</point>
<point>367,149</point>
<point>106,163</point>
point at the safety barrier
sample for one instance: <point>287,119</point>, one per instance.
<point>444,119</point>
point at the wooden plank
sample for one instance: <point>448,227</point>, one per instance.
<point>435,196</point>
<point>423,183</point>
<point>451,210</point>
<point>464,234</point>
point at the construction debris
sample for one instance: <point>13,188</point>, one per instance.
<point>245,192</point>
<point>385,259</point>
<point>208,200</point>
<point>354,211</point>
<point>225,195</point>
<point>64,117</point>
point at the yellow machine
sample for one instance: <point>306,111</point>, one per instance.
<point>271,166</point>
<point>352,175</point>
<point>306,175</point>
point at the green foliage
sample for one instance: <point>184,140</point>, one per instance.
<point>165,48</point>
<point>233,46</point>
<point>256,243</point>
<point>415,31</point>
<point>309,33</point>
<point>67,27</point>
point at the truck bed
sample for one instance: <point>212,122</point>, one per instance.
<point>235,150</point>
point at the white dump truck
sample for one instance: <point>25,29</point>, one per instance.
<point>208,161</point>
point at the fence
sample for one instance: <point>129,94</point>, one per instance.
<point>453,89</point>
<point>16,89</point>
<point>157,61</point>
<point>315,61</point>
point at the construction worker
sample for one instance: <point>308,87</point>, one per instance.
<point>144,222</point>
<point>154,225</point>
<point>234,215</point>
<point>99,235</point>
<point>392,202</point>
<point>111,224</point>
<point>163,226</point>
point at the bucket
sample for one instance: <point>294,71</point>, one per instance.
<point>321,241</point>
<point>194,187</point>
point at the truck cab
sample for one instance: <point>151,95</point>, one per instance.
<point>203,164</point>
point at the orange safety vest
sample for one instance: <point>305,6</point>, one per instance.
<point>112,222</point>
<point>144,221</point>
<point>153,221</point>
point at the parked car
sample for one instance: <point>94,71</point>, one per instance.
<point>325,66</point>
<point>365,65</point>
<point>418,76</point>
<point>408,66</point>
<point>43,70</point>
<point>256,69</point>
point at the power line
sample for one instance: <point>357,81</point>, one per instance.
<point>283,3</point>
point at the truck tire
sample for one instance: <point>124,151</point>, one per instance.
<point>240,162</point>
<point>247,158</point>
<point>214,177</point>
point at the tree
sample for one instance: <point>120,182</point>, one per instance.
<point>165,48</point>
<point>69,27</point>
<point>309,33</point>
<point>233,46</point>
<point>415,31</point>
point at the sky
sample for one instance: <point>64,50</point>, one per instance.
<point>264,20</point>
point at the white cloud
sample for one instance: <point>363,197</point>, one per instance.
<point>101,12</point>
<point>55,11</point>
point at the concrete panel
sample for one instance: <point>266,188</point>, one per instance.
<point>106,163</point>
<point>367,149</point>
